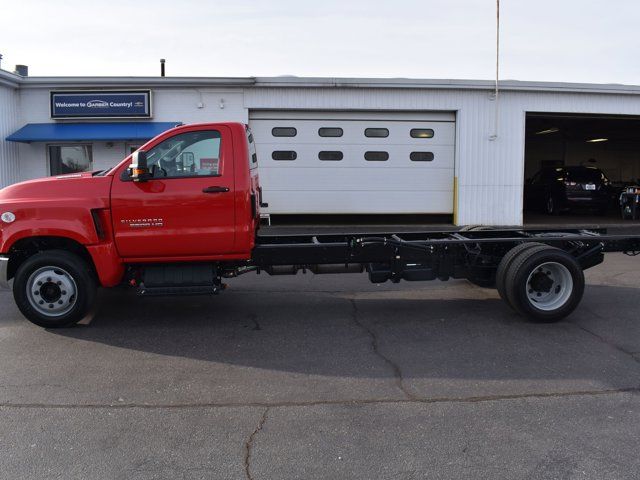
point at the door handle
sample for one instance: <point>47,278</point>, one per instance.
<point>215,189</point>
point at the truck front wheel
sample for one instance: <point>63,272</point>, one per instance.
<point>54,288</point>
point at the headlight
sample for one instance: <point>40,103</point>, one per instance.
<point>8,217</point>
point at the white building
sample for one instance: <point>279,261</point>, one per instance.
<point>357,146</point>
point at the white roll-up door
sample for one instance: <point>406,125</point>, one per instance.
<point>346,162</point>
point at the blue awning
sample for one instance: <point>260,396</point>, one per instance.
<point>74,132</point>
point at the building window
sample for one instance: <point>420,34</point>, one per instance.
<point>330,156</point>
<point>376,156</point>
<point>284,132</point>
<point>421,156</point>
<point>330,132</point>
<point>69,159</point>
<point>284,155</point>
<point>421,133</point>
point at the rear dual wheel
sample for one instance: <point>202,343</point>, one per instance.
<point>542,283</point>
<point>505,264</point>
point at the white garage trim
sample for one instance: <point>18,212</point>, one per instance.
<point>390,116</point>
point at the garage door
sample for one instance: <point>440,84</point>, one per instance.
<point>343,162</point>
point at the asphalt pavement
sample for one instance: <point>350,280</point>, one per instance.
<point>327,377</point>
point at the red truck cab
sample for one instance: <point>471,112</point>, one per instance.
<point>199,202</point>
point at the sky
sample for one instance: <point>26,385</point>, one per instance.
<point>544,40</point>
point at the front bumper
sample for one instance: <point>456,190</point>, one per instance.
<point>4,272</point>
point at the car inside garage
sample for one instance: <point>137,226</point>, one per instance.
<point>577,167</point>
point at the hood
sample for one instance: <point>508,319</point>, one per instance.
<point>75,187</point>
<point>56,206</point>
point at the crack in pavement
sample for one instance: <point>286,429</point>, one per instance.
<point>381,401</point>
<point>253,318</point>
<point>603,339</point>
<point>249,444</point>
<point>376,350</point>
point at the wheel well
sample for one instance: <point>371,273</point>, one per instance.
<point>27,247</point>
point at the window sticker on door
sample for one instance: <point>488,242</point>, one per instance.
<point>210,164</point>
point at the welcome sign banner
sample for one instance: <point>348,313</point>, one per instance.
<point>101,104</point>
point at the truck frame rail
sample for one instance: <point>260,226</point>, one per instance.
<point>362,247</point>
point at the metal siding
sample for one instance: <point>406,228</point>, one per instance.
<point>9,122</point>
<point>188,105</point>
<point>490,172</point>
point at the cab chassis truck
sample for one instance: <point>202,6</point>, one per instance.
<point>167,223</point>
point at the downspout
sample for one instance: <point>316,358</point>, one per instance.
<point>494,136</point>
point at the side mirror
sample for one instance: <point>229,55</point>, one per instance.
<point>139,169</point>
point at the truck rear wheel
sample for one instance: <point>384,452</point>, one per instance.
<point>544,284</point>
<point>505,263</point>
<point>54,288</point>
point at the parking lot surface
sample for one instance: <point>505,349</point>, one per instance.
<point>321,377</point>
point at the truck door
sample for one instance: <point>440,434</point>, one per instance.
<point>187,208</point>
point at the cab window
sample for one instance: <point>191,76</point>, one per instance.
<point>186,155</point>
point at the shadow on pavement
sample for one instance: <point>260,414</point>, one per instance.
<point>467,333</point>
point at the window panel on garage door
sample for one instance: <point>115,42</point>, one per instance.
<point>307,131</point>
<point>307,155</point>
<point>353,184</point>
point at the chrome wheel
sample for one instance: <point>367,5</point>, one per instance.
<point>549,286</point>
<point>51,291</point>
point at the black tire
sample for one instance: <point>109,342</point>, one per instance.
<point>551,206</point>
<point>568,284</point>
<point>73,305</point>
<point>505,263</point>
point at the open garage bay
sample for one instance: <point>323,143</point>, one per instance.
<point>576,167</point>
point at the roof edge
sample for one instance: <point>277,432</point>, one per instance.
<point>314,82</point>
<point>446,84</point>
<point>79,82</point>
<point>9,79</point>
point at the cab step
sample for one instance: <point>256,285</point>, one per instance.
<point>179,279</point>
<point>179,290</point>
